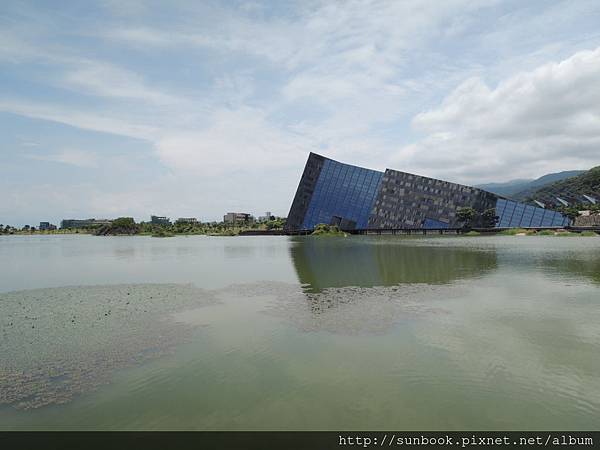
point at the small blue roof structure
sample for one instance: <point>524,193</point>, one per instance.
<point>564,202</point>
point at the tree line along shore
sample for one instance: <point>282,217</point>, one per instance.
<point>128,226</point>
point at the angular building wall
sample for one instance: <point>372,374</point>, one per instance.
<point>412,201</point>
<point>356,198</point>
<point>312,171</point>
<point>343,196</point>
<point>513,214</point>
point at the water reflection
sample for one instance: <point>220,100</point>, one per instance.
<point>514,346</point>
<point>573,259</point>
<point>239,251</point>
<point>587,266</point>
<point>366,262</point>
<point>125,252</point>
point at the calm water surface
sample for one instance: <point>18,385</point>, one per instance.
<point>299,333</point>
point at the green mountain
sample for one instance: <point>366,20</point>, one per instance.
<point>514,187</point>
<point>507,188</point>
<point>571,190</point>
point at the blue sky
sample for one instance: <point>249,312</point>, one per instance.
<point>177,108</point>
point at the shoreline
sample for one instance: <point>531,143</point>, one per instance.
<point>245,233</point>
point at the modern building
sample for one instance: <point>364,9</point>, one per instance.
<point>46,226</point>
<point>159,220</point>
<point>187,220</point>
<point>84,223</point>
<point>233,217</point>
<point>356,198</point>
<point>266,217</point>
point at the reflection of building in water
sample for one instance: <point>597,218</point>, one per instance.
<point>572,263</point>
<point>326,263</point>
<point>352,197</point>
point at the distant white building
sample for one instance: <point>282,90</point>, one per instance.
<point>266,217</point>
<point>236,217</point>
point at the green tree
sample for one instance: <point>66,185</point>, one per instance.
<point>124,222</point>
<point>275,223</point>
<point>489,219</point>
<point>572,212</point>
<point>466,215</point>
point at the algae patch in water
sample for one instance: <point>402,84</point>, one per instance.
<point>59,342</point>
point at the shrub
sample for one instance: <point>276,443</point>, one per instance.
<point>323,229</point>
<point>162,233</point>
<point>545,233</point>
<point>566,234</point>
<point>513,231</point>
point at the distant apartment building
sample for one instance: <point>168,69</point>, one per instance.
<point>47,226</point>
<point>187,220</point>
<point>159,220</point>
<point>84,223</point>
<point>233,217</point>
<point>266,217</point>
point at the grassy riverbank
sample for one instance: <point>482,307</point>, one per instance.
<point>559,233</point>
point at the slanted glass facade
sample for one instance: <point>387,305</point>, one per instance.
<point>518,215</point>
<point>434,224</point>
<point>352,197</point>
<point>343,194</point>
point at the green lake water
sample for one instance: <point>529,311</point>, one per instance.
<point>299,333</point>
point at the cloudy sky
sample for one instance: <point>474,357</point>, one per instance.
<point>134,108</point>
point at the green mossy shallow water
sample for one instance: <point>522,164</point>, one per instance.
<point>77,336</point>
<point>259,333</point>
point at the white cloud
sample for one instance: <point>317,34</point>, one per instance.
<point>217,92</point>
<point>533,122</point>
<point>238,141</point>
<point>139,36</point>
<point>73,157</point>
<point>106,80</point>
<point>94,121</point>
